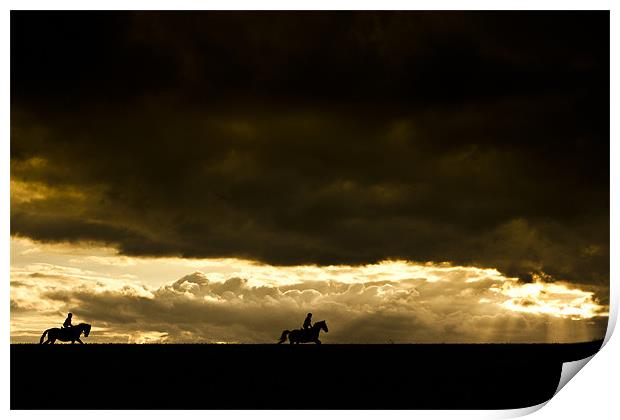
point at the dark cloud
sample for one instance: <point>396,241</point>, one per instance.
<point>475,138</point>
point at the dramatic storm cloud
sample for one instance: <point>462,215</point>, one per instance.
<point>317,138</point>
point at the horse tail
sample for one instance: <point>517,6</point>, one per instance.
<point>43,336</point>
<point>283,337</point>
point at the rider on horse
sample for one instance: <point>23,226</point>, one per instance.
<point>309,333</point>
<point>308,322</point>
<point>67,323</point>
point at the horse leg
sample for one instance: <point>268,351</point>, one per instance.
<point>80,341</point>
<point>317,341</point>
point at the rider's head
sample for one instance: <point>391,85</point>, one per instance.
<point>309,315</point>
<point>70,315</point>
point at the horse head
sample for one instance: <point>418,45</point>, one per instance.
<point>322,325</point>
<point>85,329</point>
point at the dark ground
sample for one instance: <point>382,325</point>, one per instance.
<point>483,376</point>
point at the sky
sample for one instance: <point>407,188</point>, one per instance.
<point>406,176</point>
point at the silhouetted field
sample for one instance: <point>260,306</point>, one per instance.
<point>112,376</point>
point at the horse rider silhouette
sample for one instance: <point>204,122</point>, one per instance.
<point>310,335</point>
<point>67,323</point>
<point>308,322</point>
<point>71,334</point>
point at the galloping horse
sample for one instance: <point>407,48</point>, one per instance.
<point>66,334</point>
<point>304,336</point>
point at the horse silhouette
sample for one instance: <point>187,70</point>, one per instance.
<point>304,336</point>
<point>66,334</point>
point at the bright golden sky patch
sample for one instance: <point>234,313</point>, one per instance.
<point>23,192</point>
<point>558,300</point>
<point>232,300</point>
